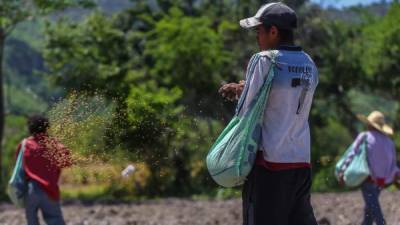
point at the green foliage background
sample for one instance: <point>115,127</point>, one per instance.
<point>163,62</point>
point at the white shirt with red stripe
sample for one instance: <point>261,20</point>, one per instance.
<point>285,133</point>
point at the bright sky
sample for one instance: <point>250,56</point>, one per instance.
<point>344,3</point>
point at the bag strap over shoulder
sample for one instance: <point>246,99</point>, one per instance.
<point>23,144</point>
<point>19,161</point>
<point>271,55</point>
<point>355,151</point>
<point>364,141</point>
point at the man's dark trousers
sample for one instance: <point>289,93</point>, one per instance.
<point>278,197</point>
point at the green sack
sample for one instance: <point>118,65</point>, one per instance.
<point>232,156</point>
<point>18,185</point>
<point>354,165</point>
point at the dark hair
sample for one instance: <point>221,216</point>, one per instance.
<point>38,124</point>
<point>286,36</point>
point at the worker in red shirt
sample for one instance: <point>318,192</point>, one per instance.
<point>43,160</point>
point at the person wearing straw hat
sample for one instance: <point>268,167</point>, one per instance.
<point>376,119</point>
<point>381,158</point>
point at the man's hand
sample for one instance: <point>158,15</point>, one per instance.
<point>232,91</point>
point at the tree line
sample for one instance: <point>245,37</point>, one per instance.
<point>162,62</point>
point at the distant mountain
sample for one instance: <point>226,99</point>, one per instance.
<point>379,9</point>
<point>353,13</point>
<point>112,6</point>
<point>107,6</point>
<point>24,63</point>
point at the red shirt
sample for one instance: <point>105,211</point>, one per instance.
<point>43,160</point>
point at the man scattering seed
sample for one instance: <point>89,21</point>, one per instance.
<point>43,160</point>
<point>277,191</point>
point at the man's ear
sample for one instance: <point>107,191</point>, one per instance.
<point>273,31</point>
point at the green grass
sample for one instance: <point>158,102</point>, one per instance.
<point>87,192</point>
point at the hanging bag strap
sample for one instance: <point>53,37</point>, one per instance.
<point>250,72</point>
<point>20,158</point>
<point>354,152</point>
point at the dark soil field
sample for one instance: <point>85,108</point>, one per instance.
<point>334,209</point>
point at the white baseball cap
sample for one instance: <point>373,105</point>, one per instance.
<point>276,13</point>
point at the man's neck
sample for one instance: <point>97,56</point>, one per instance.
<point>287,43</point>
<point>280,44</point>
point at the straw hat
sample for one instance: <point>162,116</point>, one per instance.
<point>377,120</point>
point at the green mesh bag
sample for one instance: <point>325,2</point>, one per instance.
<point>354,165</point>
<point>18,185</point>
<point>232,156</point>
